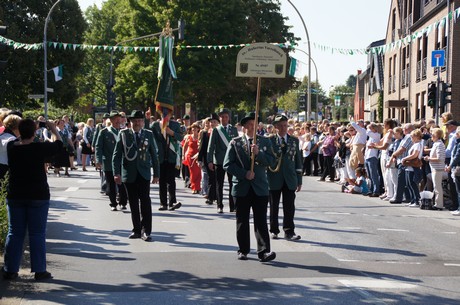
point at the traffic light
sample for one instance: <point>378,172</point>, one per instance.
<point>432,94</point>
<point>3,49</point>
<point>181,27</point>
<point>446,93</point>
<point>111,99</point>
<point>302,103</point>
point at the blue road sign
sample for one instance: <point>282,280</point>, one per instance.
<point>438,58</point>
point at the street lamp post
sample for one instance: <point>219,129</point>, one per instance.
<point>309,62</point>
<point>317,80</point>
<point>45,51</point>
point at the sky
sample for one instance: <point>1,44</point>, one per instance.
<point>352,24</point>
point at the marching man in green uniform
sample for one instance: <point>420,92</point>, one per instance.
<point>250,188</point>
<point>168,139</point>
<point>97,129</point>
<point>134,156</point>
<point>105,145</point>
<point>217,146</point>
<point>284,178</point>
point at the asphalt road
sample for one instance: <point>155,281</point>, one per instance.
<point>354,250</point>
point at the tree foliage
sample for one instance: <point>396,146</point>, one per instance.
<point>24,74</point>
<point>206,77</point>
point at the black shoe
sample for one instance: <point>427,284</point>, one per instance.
<point>374,195</point>
<point>232,211</point>
<point>123,207</point>
<point>292,237</point>
<point>113,209</point>
<point>267,256</point>
<point>220,210</point>
<point>134,236</point>
<point>242,256</point>
<point>146,237</point>
<point>208,201</point>
<point>406,201</point>
<point>162,208</point>
<point>9,275</point>
<point>43,276</point>
<point>274,236</point>
<point>395,201</point>
<point>175,206</point>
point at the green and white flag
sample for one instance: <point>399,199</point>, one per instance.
<point>166,73</point>
<point>295,69</point>
<point>57,73</point>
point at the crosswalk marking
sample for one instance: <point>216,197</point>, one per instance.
<point>72,189</point>
<point>392,230</point>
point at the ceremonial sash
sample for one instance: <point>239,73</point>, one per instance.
<point>223,135</point>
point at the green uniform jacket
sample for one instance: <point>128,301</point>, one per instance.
<point>97,129</point>
<point>129,159</point>
<point>172,153</point>
<point>218,147</point>
<point>290,170</point>
<point>104,147</point>
<point>238,162</point>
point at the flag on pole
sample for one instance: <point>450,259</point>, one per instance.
<point>57,73</point>
<point>295,68</point>
<point>166,73</point>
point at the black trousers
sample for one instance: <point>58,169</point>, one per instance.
<point>328,169</point>
<point>220,177</point>
<point>288,210</point>
<point>112,189</point>
<point>140,205</point>
<point>167,183</point>
<point>307,165</point>
<point>211,184</point>
<point>314,158</point>
<point>259,206</point>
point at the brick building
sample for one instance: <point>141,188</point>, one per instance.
<point>416,28</point>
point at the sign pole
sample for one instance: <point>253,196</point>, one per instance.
<point>256,119</point>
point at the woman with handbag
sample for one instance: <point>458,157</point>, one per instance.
<point>437,158</point>
<point>454,167</point>
<point>413,163</point>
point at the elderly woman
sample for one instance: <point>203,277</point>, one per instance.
<point>10,133</point>
<point>28,199</point>
<point>437,159</point>
<point>86,143</point>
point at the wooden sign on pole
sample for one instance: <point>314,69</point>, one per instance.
<point>260,60</point>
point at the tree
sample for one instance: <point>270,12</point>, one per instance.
<point>24,74</point>
<point>206,76</point>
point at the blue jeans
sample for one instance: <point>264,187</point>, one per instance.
<point>401,188</point>
<point>412,186</point>
<point>25,215</point>
<point>372,168</point>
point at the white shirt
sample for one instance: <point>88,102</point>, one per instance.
<point>374,137</point>
<point>361,134</point>
<point>5,138</point>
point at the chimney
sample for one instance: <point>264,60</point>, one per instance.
<point>359,72</point>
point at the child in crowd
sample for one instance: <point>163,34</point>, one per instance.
<point>358,185</point>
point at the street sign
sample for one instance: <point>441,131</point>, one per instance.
<point>261,60</point>
<point>36,96</point>
<point>438,58</point>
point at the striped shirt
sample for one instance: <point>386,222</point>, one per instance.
<point>407,144</point>
<point>438,151</point>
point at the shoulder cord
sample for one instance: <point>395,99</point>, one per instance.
<point>127,149</point>
<point>237,154</point>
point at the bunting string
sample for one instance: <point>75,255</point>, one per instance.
<point>455,15</point>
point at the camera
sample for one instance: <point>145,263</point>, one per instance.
<point>41,124</point>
